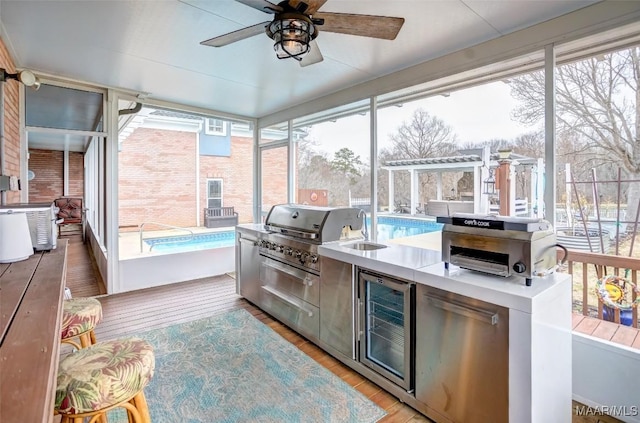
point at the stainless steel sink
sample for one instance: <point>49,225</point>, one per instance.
<point>365,245</point>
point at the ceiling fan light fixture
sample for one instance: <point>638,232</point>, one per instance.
<point>291,34</point>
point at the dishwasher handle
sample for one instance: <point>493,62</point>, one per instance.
<point>474,313</point>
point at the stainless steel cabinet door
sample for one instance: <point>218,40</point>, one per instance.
<point>337,306</point>
<point>247,267</point>
<point>462,357</point>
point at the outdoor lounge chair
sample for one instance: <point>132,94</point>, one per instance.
<point>70,212</point>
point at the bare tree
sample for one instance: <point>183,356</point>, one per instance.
<point>597,106</point>
<point>422,136</point>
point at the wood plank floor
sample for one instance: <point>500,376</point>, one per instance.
<point>609,331</point>
<point>152,308</point>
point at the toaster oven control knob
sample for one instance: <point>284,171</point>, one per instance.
<point>519,267</point>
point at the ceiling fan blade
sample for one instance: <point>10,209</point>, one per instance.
<point>238,35</point>
<point>314,55</point>
<point>313,5</point>
<point>262,5</point>
<point>384,27</point>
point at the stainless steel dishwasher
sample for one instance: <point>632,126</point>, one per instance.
<point>462,357</point>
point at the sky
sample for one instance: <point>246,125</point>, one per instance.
<point>476,114</point>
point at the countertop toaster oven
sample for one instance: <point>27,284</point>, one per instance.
<point>499,245</point>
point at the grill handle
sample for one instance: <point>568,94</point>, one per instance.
<point>287,299</point>
<point>299,275</point>
<point>481,315</point>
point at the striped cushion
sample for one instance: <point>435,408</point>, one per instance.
<point>80,315</point>
<point>103,375</point>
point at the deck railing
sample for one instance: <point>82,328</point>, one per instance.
<point>586,268</point>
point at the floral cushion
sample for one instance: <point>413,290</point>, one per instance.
<point>80,315</point>
<point>103,375</point>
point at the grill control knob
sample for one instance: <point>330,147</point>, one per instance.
<point>289,251</point>
<point>280,248</point>
<point>519,267</point>
<point>314,258</point>
<point>298,254</point>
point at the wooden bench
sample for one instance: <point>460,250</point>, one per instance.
<point>220,217</point>
<point>31,295</point>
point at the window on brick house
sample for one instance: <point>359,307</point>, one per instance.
<point>215,127</point>
<point>214,193</point>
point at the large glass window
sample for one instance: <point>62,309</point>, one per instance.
<point>439,148</point>
<point>171,170</point>
<point>332,158</point>
<point>274,165</point>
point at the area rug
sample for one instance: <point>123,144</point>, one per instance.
<point>233,368</point>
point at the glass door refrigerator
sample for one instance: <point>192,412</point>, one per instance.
<point>387,316</point>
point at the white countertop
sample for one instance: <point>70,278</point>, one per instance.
<point>395,260</point>
<point>426,267</point>
<point>251,227</point>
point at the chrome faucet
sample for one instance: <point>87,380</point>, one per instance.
<point>365,232</point>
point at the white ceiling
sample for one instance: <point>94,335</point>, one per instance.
<point>154,46</point>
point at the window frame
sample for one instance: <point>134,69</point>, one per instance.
<point>221,198</point>
<point>211,125</point>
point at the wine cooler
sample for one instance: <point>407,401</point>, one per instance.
<point>387,326</point>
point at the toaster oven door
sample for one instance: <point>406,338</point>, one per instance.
<point>482,261</point>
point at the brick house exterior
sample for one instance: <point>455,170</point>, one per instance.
<point>48,183</point>
<point>11,123</point>
<point>157,178</point>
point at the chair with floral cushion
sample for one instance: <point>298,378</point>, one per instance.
<point>79,319</point>
<point>102,377</point>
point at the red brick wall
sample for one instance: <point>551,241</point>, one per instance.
<point>48,183</point>
<point>157,178</point>
<point>11,123</point>
<point>274,177</point>
<point>76,174</point>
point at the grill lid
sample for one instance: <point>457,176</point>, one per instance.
<point>321,224</point>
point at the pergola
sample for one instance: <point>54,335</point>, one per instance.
<point>483,164</point>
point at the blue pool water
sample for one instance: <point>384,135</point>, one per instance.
<point>397,227</point>
<point>388,228</point>
<point>191,243</point>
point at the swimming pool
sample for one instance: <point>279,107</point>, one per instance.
<point>181,258</point>
<point>176,259</point>
<point>399,227</point>
<point>204,241</point>
<point>388,228</point>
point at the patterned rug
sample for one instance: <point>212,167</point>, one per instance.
<point>233,368</point>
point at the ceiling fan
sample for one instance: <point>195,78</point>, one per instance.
<point>295,27</point>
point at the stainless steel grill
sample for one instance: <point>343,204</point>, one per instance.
<point>295,231</point>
